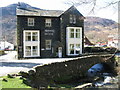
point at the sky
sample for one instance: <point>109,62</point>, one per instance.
<point>109,13</point>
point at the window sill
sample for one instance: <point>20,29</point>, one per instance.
<point>73,54</point>
<point>32,56</point>
<point>47,49</point>
<point>31,25</point>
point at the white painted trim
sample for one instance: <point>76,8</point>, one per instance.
<point>81,41</point>
<point>31,43</point>
<point>28,21</point>
<point>73,40</point>
<point>48,22</point>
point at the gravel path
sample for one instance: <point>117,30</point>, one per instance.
<point>9,64</point>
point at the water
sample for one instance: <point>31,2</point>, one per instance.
<point>117,54</point>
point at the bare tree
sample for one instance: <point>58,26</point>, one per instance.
<point>94,4</point>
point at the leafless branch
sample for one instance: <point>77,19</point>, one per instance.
<point>93,8</point>
<point>93,4</point>
<point>78,2</point>
<point>108,4</point>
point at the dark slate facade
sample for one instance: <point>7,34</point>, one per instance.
<point>57,33</point>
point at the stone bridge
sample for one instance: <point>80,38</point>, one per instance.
<point>67,71</point>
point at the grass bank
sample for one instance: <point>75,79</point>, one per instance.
<point>15,82</point>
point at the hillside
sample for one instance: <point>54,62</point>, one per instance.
<point>9,25</point>
<point>96,29</point>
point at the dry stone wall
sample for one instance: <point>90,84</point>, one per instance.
<point>65,72</point>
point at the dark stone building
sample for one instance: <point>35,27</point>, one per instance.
<point>49,33</point>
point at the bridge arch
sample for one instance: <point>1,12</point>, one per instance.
<point>68,71</point>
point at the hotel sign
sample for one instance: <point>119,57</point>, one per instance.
<point>49,32</point>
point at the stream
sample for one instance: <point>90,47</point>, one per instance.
<point>104,79</point>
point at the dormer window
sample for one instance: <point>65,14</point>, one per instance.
<point>72,19</point>
<point>30,21</point>
<point>48,23</point>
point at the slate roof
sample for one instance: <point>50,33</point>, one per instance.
<point>51,12</point>
<point>39,12</point>
<point>42,12</point>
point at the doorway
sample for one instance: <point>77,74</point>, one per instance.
<point>59,52</point>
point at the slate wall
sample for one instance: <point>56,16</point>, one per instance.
<point>65,22</point>
<point>39,25</point>
<point>66,72</point>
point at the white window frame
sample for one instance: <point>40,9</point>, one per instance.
<point>27,35</point>
<point>27,51</point>
<point>31,43</point>
<point>35,51</point>
<point>74,32</point>
<point>73,41</point>
<point>77,48</point>
<point>48,22</point>
<point>46,44</point>
<point>77,33</point>
<point>31,21</point>
<point>31,51</point>
<point>71,48</point>
<point>34,36</point>
<point>31,35</point>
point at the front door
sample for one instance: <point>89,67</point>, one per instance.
<point>59,52</point>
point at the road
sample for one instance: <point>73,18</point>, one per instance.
<point>10,64</point>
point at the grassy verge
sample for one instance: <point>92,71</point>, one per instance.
<point>2,52</point>
<point>12,82</point>
<point>17,84</point>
